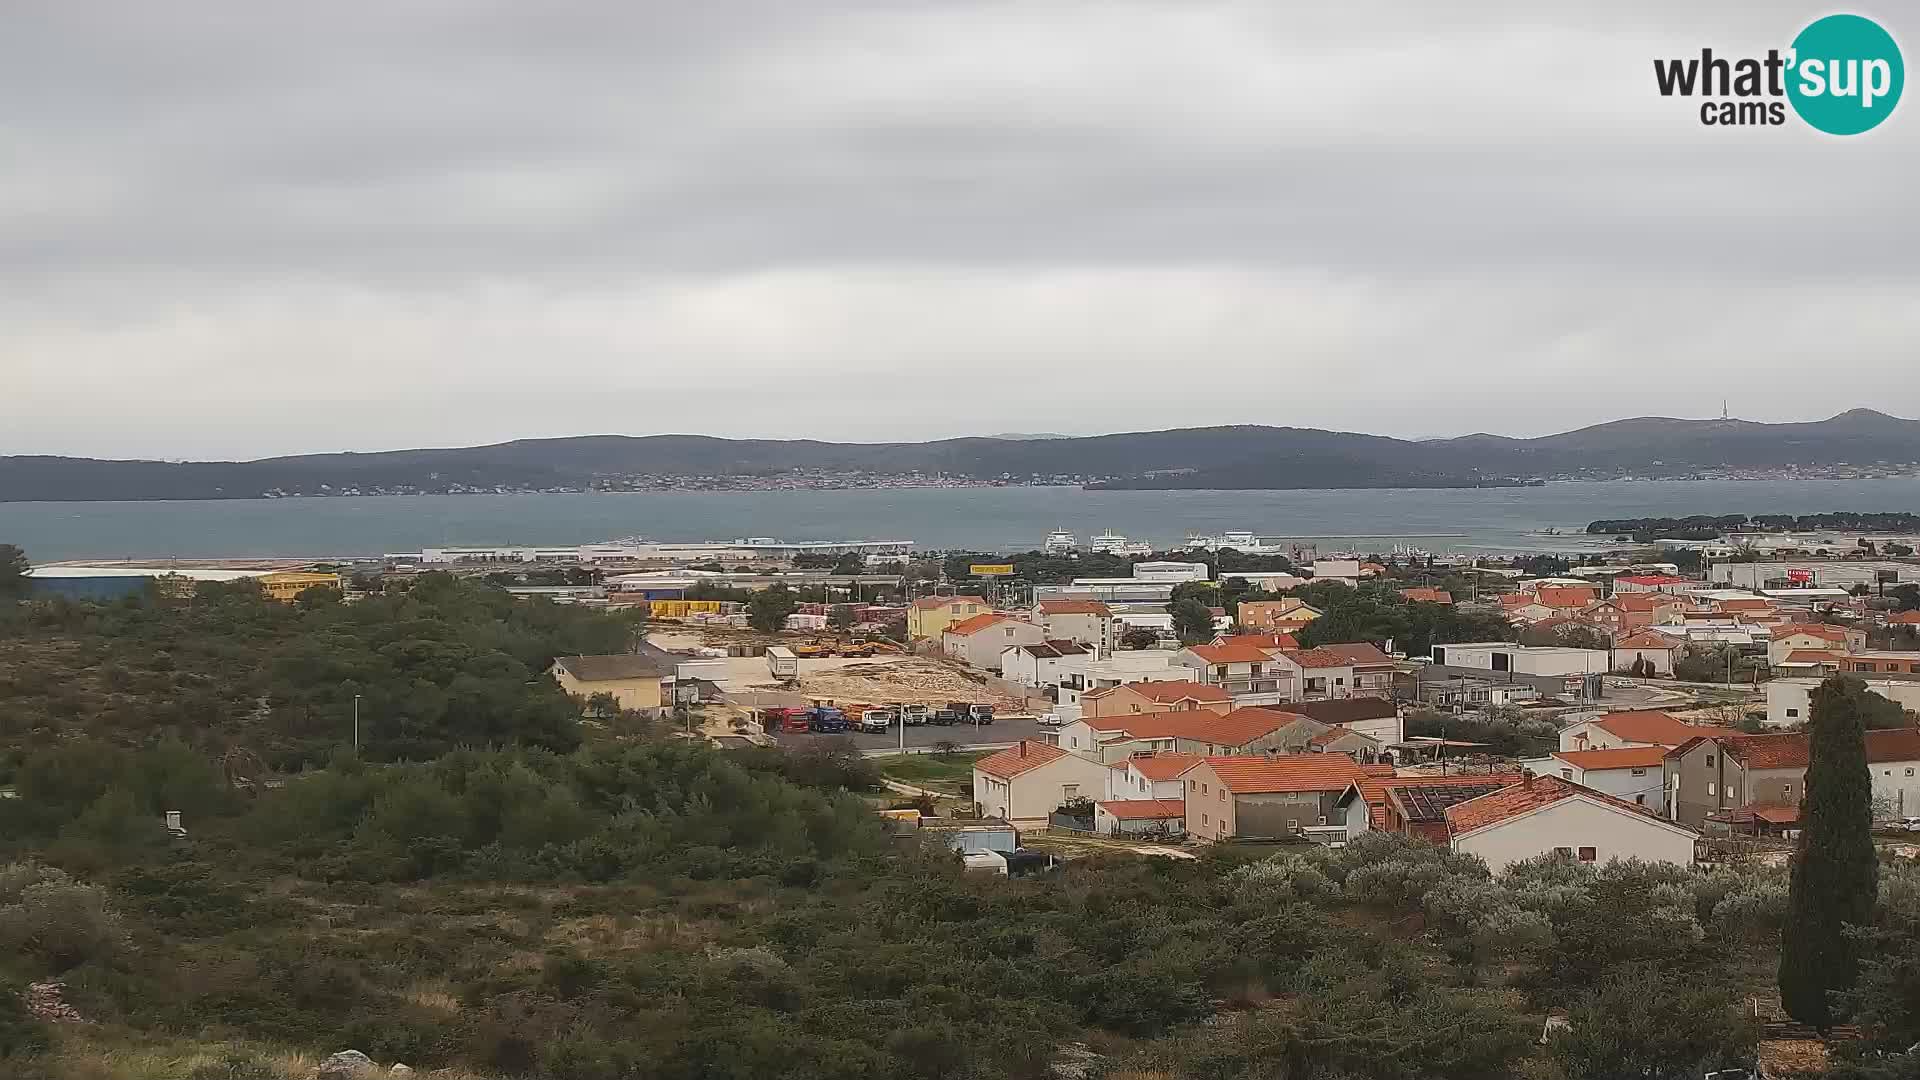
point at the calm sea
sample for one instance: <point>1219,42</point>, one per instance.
<point>987,519</point>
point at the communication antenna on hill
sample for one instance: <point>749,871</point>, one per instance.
<point>1723,410</point>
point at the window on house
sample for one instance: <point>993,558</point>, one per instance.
<point>1786,789</point>
<point>1323,819</point>
<point>1203,819</point>
<point>1588,854</point>
<point>1709,761</point>
<point>1710,790</point>
<point>1204,790</point>
<point>1639,772</point>
<point>1223,794</point>
<point>1563,852</point>
<point>1293,824</point>
<point>1069,791</point>
<point>1793,712</point>
<point>1566,774</point>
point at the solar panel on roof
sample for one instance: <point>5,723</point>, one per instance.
<point>1430,803</point>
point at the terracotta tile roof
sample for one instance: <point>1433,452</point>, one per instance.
<point>1652,726</point>
<point>1145,809</point>
<point>978,623</point>
<point>1229,654</point>
<point>1237,728</point>
<point>1512,600</point>
<point>1253,775</point>
<point>1651,580</point>
<point>1819,630</point>
<point>1530,795</point>
<point>1776,815</point>
<point>1375,790</point>
<point>1812,656</point>
<point>1166,693</point>
<point>1427,596</point>
<point>1014,760</point>
<point>1645,639</point>
<point>1567,596</point>
<point>1323,657</point>
<point>1894,744</point>
<point>1787,750</point>
<point>1904,618</point>
<point>1359,654</point>
<point>1074,607</point>
<point>1625,757</point>
<point>1335,734</point>
<point>1261,641</point>
<point>1757,603</point>
<point>1162,766</point>
<point>1639,601</point>
<point>930,603</point>
<point>1376,769</point>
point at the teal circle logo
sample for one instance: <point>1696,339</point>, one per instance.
<point>1846,74</point>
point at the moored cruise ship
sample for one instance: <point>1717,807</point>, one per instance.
<point>1059,542</point>
<point>1112,543</point>
<point>1238,540</point>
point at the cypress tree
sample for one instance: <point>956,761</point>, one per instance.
<point>1835,874</point>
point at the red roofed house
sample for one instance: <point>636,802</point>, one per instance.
<point>1413,805</point>
<point>1665,583</point>
<point>1525,608</point>
<point>1167,817</point>
<point>1254,676</point>
<point>1132,699</point>
<point>1564,599</point>
<point>1242,731</point>
<point>929,616</point>
<point>1149,776</point>
<point>1794,637</point>
<point>1368,671</point>
<point>1904,618</point>
<point>1730,771</point>
<point>1891,662</point>
<point>1269,642</point>
<point>1427,596</point>
<point>977,642</point>
<point>1656,649</point>
<point>1545,815</point>
<point>1814,663</point>
<point>1088,622</point>
<point>1044,664</point>
<point>1645,727</point>
<point>1635,774</point>
<point>1025,783</point>
<point>1248,797</point>
<point>1288,615</point>
<point>1631,611</point>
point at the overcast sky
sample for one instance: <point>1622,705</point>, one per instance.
<point>233,228</point>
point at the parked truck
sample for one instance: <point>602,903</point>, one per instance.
<point>967,712</point>
<point>826,720</point>
<point>876,721</point>
<point>782,664</point>
<point>914,715</point>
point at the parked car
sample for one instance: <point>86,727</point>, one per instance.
<point>1910,824</point>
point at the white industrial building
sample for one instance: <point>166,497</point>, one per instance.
<point>1790,701</point>
<point>1522,659</point>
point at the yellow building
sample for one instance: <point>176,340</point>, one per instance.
<point>930,616</point>
<point>285,585</point>
<point>642,680</point>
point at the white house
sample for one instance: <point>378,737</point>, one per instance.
<point>1641,727</point>
<point>1632,773</point>
<point>1044,664</point>
<point>1130,666</point>
<point>1790,701</point>
<point>1549,815</point>
<point>1149,776</point>
<point>1252,675</point>
<point>1783,641</point>
<point>1088,622</point>
<point>978,642</point>
<point>1346,571</point>
<point>1026,782</point>
<point>1655,649</point>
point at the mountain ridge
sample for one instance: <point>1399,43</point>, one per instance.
<point>1234,456</point>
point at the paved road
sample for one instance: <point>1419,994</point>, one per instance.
<point>999,733</point>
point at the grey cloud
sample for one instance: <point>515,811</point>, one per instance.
<point>441,222</point>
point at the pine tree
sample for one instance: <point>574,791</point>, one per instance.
<point>1835,874</point>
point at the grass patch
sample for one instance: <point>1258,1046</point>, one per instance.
<point>929,770</point>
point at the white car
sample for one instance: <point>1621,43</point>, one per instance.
<point>1910,824</point>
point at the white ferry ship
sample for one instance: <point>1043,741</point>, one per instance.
<point>1239,540</point>
<point>1112,543</point>
<point>1060,542</point>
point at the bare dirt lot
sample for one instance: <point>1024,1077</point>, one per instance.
<point>880,680</point>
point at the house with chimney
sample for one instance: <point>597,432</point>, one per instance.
<point>1550,815</point>
<point>1026,782</point>
<point>1261,797</point>
<point>1413,805</point>
<point>1638,727</point>
<point>1635,774</point>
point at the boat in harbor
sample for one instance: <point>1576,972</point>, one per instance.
<point>1112,543</point>
<point>1239,540</point>
<point>1060,542</point>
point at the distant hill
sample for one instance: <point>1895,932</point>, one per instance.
<point>1214,457</point>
